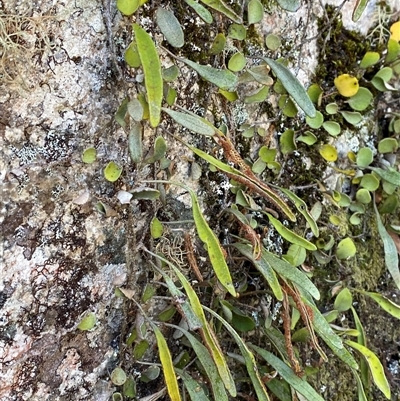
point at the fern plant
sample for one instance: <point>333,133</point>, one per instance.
<point>231,326</point>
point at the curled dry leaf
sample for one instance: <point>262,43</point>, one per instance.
<point>129,293</point>
<point>82,198</point>
<point>124,197</point>
<point>105,209</point>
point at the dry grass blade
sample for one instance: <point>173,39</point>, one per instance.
<point>191,257</point>
<point>288,337</point>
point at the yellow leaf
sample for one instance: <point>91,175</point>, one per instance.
<point>328,152</point>
<point>167,364</point>
<point>375,367</point>
<point>346,85</point>
<point>395,31</point>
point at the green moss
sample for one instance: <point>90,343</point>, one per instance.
<point>340,49</point>
<point>368,264</point>
<point>254,39</point>
<point>334,381</point>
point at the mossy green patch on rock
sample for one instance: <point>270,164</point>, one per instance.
<point>334,381</point>
<point>340,49</point>
<point>369,264</point>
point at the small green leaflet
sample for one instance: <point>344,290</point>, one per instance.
<point>129,387</point>
<point>201,11</point>
<point>332,127</point>
<point>121,113</point>
<point>128,7</point>
<point>170,27</point>
<point>250,361</point>
<point>257,97</point>
<point>352,117</point>
<point>290,5</point>
<point>214,250</point>
<point>88,322</point>
<point>145,193</point>
<point>260,74</point>
<point>118,376</point>
<point>375,366</point>
<point>112,172</point>
<point>220,6</point>
<point>289,235</point>
<point>156,228</point>
<point>160,147</point>
<point>193,123</point>
<point>237,31</point>
<point>237,62</point>
<point>135,109</point>
<point>152,72</point>
<point>224,79</point>
<point>287,374</point>
<point>296,255</point>
<point>218,44</point>
<point>343,300</point>
<point>89,155</point>
<point>391,255</point>
<point>293,86</point>
<point>171,73</point>
<point>131,55</point>
<point>168,367</point>
<point>369,59</point>
<point>255,11</point>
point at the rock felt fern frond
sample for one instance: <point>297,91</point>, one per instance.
<point>152,72</point>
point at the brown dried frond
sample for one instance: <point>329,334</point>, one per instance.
<point>191,256</point>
